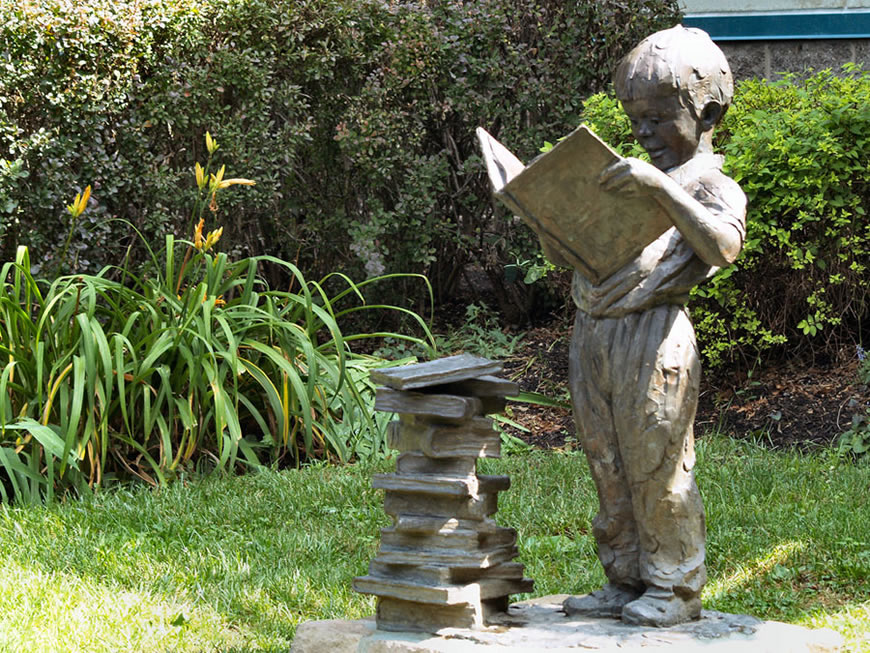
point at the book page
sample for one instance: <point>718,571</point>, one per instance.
<point>501,164</point>
<point>559,196</point>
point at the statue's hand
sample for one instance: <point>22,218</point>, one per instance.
<point>632,177</point>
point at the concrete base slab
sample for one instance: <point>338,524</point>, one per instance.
<point>540,625</point>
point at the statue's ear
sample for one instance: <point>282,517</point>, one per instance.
<point>710,115</point>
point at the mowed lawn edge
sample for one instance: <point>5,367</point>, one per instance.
<point>237,563</point>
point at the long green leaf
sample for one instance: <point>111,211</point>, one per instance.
<point>269,388</point>
<point>75,411</point>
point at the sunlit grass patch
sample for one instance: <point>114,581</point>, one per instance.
<point>221,563</point>
<point>59,611</point>
<point>238,562</point>
<point>852,621</point>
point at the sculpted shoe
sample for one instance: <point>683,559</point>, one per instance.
<point>658,607</point>
<point>606,602</point>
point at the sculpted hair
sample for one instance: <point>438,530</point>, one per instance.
<point>680,59</point>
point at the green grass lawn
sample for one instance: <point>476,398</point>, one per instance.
<point>238,563</point>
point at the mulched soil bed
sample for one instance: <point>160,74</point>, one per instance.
<point>793,403</point>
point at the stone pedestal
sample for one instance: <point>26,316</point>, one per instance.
<point>540,625</point>
<point>444,562</point>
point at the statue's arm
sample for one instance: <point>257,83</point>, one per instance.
<point>712,224</point>
<point>713,229</point>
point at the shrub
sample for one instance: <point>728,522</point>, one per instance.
<point>854,442</point>
<point>356,118</point>
<point>105,380</point>
<point>191,363</point>
<point>799,149</point>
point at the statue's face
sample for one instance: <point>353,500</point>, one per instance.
<point>667,130</point>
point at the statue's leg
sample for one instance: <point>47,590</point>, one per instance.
<point>613,527</point>
<point>654,416</point>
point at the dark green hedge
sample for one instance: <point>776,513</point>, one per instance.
<point>800,150</point>
<point>355,117</point>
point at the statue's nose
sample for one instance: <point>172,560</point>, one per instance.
<point>645,128</point>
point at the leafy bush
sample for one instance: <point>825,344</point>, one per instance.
<point>855,441</point>
<point>799,149</point>
<point>355,116</point>
<point>481,332</point>
<point>193,361</point>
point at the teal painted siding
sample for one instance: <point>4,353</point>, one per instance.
<point>785,25</point>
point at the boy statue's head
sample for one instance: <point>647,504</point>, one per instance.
<point>675,86</point>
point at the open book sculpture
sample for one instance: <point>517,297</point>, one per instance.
<point>559,197</point>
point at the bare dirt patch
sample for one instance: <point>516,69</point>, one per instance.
<point>786,404</point>
<point>790,403</point>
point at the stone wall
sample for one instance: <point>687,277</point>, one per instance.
<point>767,58</point>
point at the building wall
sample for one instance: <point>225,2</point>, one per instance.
<point>764,37</point>
<point>769,58</point>
<point>745,6</point>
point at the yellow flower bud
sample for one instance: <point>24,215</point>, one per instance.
<point>197,234</point>
<point>213,237</point>
<point>236,180</point>
<point>210,143</point>
<point>216,179</point>
<point>80,203</point>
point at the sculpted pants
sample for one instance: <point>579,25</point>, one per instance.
<point>634,386</point>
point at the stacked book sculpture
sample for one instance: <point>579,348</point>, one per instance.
<point>444,562</point>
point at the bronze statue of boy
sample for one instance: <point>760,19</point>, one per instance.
<point>634,364</point>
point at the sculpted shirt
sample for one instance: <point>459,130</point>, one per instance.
<point>667,269</point>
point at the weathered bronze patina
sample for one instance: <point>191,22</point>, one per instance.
<point>634,365</point>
